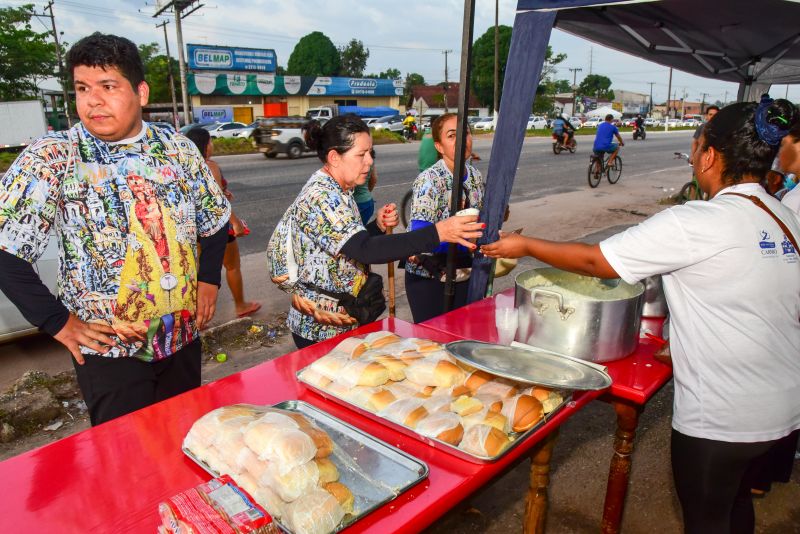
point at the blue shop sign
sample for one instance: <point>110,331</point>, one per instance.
<point>209,57</point>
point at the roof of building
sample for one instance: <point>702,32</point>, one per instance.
<point>432,96</point>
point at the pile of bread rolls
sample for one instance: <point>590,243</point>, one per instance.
<point>280,458</point>
<point>416,383</point>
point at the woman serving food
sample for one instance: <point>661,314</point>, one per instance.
<point>320,251</point>
<point>732,281</point>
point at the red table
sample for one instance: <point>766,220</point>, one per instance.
<point>111,478</point>
<point>635,380</point>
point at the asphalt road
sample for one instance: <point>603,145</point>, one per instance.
<point>264,188</point>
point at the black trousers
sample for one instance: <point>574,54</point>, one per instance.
<point>113,387</point>
<point>713,481</point>
<point>426,296</point>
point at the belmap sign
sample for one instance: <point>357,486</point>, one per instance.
<point>224,58</point>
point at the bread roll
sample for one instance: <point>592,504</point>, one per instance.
<point>437,403</point>
<point>476,379</point>
<point>452,391</point>
<point>380,339</point>
<point>285,447</point>
<point>498,386</point>
<point>330,365</point>
<point>371,399</point>
<point>406,412</point>
<point>314,378</point>
<point>321,439</point>
<point>522,412</point>
<point>444,426</point>
<point>327,470</point>
<point>493,402</point>
<point>401,390</point>
<point>485,417</point>
<point>315,512</point>
<point>484,440</point>
<point>435,372</point>
<point>410,356</point>
<point>342,494</point>
<point>266,497</point>
<point>352,347</point>
<point>361,373</point>
<point>425,345</point>
<point>393,364</point>
<point>464,405</point>
<point>290,485</point>
<point>246,461</point>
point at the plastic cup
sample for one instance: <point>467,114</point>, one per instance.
<point>468,211</point>
<point>506,320</point>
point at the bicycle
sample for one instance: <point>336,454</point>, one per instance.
<point>598,165</point>
<point>690,190</point>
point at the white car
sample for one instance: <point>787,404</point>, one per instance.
<point>592,122</point>
<point>674,123</point>
<point>393,123</point>
<point>12,323</point>
<point>224,129</point>
<point>369,121</point>
<point>694,123</point>
<point>244,133</point>
<point>485,124</point>
<point>536,123</point>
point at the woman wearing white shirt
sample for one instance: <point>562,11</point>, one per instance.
<point>732,282</point>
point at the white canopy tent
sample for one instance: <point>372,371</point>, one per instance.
<point>603,111</point>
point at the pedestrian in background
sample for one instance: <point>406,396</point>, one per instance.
<point>232,260</point>
<point>128,203</point>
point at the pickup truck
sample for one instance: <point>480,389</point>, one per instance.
<point>324,113</point>
<point>280,135</point>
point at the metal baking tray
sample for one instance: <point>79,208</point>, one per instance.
<point>530,365</point>
<point>374,471</point>
<point>518,437</point>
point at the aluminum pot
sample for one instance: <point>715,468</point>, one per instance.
<point>655,302</point>
<point>558,312</point>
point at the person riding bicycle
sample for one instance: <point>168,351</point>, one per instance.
<point>563,129</point>
<point>603,143</point>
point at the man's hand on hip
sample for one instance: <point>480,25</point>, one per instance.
<point>77,333</point>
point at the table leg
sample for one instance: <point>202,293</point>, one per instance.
<point>619,473</point>
<point>536,500</point>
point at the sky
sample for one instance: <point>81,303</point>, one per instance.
<point>409,35</point>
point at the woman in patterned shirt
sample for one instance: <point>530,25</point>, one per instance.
<point>322,244</point>
<point>431,205</point>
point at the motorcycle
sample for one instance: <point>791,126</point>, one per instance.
<point>639,133</point>
<point>559,145</point>
<point>410,132</point>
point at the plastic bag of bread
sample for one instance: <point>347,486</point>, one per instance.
<point>278,438</point>
<point>352,347</point>
<point>371,399</point>
<point>522,412</point>
<point>330,365</point>
<point>377,340</point>
<point>206,429</point>
<point>485,417</point>
<point>289,486</point>
<point>217,506</point>
<point>550,399</point>
<point>435,372</point>
<point>484,440</point>
<point>444,426</point>
<point>362,373</point>
<point>393,364</point>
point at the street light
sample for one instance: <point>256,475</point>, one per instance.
<point>575,72</point>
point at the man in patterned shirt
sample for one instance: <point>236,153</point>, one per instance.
<point>128,203</point>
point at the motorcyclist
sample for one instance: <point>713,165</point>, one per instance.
<point>639,122</point>
<point>563,129</point>
<point>409,123</point>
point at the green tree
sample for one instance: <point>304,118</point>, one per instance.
<point>314,55</point>
<point>545,95</point>
<point>156,72</point>
<point>353,59</point>
<point>26,57</point>
<point>412,80</point>
<point>596,86</point>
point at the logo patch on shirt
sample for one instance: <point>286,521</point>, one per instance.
<point>766,242</point>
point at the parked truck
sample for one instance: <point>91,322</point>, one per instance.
<point>323,113</point>
<point>21,122</point>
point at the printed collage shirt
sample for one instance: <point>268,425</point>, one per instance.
<point>313,230</point>
<point>431,198</point>
<point>127,217</point>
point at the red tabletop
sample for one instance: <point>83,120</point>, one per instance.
<point>110,478</point>
<point>635,378</point>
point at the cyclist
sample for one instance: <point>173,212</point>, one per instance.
<point>562,128</point>
<point>603,143</point>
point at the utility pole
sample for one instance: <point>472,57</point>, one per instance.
<point>574,72</point>
<point>446,82</point>
<point>703,103</point>
<point>170,79</point>
<point>669,93</point>
<point>497,58</point>
<point>591,58</point>
<point>61,73</point>
<point>181,62</point>
<point>725,101</point>
<point>683,104</point>
<point>650,109</point>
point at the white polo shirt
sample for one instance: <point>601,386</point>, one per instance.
<point>732,282</point>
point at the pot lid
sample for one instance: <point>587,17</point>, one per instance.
<point>532,366</point>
